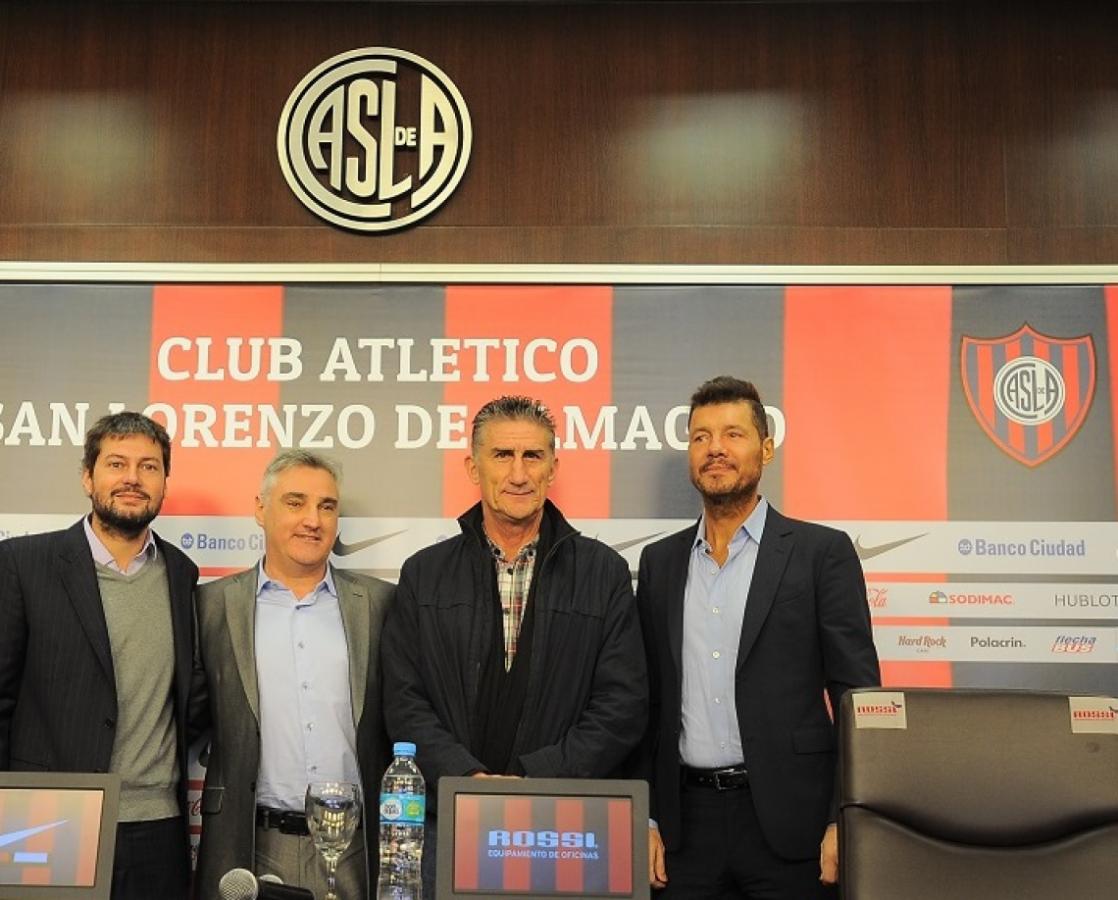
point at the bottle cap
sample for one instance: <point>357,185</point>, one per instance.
<point>403,748</point>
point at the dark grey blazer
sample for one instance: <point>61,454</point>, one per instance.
<point>226,629</point>
<point>58,700</point>
<point>806,630</point>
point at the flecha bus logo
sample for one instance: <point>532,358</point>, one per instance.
<point>1074,643</point>
<point>1030,392</point>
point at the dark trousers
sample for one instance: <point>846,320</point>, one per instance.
<point>150,861</point>
<point>724,856</point>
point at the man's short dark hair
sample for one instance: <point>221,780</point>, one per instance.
<point>727,389</point>
<point>125,424</point>
<point>515,408</point>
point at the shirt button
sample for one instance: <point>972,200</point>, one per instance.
<point>715,610</point>
<point>717,699</point>
<point>310,726</point>
<point>300,645</point>
<point>306,686</point>
<point>716,655</point>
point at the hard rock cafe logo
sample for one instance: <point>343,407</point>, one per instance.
<point>374,139</point>
<point>1030,392</point>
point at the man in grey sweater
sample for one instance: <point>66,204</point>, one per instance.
<point>96,637</point>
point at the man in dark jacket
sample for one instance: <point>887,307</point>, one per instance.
<point>514,647</point>
<point>96,638</point>
<point>753,622</point>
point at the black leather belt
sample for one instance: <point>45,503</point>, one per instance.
<point>282,820</point>
<point>730,778</point>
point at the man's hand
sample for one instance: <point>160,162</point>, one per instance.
<point>828,856</point>
<point>657,873</point>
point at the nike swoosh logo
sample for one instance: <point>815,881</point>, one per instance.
<point>625,545</point>
<point>877,549</point>
<point>13,837</point>
<point>341,549</point>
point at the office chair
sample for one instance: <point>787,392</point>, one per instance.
<point>982,794</point>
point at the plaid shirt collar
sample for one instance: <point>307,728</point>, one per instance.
<point>514,580</point>
<point>528,551</point>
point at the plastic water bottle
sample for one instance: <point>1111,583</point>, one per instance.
<point>403,806</point>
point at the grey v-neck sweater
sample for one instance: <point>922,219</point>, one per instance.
<point>138,614</point>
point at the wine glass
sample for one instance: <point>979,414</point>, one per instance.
<point>333,811</point>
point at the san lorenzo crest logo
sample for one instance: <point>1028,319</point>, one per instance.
<point>1029,391</point>
<point>374,139</point>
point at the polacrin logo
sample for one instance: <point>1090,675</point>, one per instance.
<point>374,139</point>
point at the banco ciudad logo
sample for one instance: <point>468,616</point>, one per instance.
<point>374,139</point>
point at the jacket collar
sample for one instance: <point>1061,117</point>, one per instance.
<point>553,526</point>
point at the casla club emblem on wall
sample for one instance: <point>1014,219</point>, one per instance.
<point>1029,391</point>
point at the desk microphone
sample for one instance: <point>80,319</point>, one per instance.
<point>241,884</point>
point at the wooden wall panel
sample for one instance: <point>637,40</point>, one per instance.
<point>1062,120</point>
<point>632,132</point>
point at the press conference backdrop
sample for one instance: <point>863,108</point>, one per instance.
<point>964,436</point>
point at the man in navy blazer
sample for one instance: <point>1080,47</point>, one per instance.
<point>96,638</point>
<point>753,623</point>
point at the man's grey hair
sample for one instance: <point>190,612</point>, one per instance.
<point>515,408</point>
<point>290,459</point>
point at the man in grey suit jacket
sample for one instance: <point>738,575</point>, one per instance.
<point>96,638</point>
<point>750,620</point>
<point>290,651</point>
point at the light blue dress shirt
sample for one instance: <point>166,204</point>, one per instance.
<point>307,732</point>
<point>104,557</point>
<point>713,610</point>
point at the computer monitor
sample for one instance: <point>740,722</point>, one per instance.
<point>532,838</point>
<point>57,835</point>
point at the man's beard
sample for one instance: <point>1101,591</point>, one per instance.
<point>730,497</point>
<point>127,526</point>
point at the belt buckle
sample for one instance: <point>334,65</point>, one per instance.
<point>729,775</point>
<point>291,823</point>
